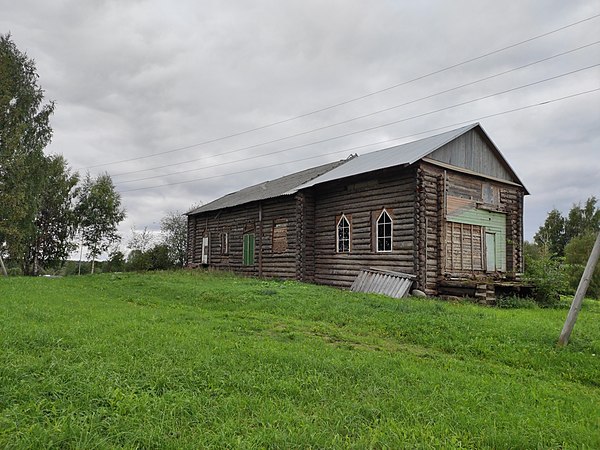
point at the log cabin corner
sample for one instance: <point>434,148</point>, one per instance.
<point>447,209</point>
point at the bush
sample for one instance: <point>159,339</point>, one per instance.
<point>549,277</point>
<point>137,261</point>
<point>157,258</point>
<point>115,262</point>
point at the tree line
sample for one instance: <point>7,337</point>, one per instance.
<point>556,259</point>
<point>45,207</point>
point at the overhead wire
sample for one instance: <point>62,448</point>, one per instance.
<point>346,102</point>
<point>546,102</point>
<point>352,133</point>
<point>353,118</point>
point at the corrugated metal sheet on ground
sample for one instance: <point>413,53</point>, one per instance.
<point>392,284</point>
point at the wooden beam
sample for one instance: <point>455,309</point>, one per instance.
<point>581,290</point>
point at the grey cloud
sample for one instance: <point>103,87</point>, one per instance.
<point>138,78</point>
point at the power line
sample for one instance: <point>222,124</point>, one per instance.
<point>405,119</point>
<point>361,116</point>
<point>547,102</point>
<point>355,99</point>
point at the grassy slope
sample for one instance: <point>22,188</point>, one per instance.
<point>178,360</point>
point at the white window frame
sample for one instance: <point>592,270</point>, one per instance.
<point>337,235</point>
<point>224,243</point>
<point>205,249</point>
<point>384,211</point>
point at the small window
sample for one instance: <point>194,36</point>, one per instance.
<point>343,235</point>
<point>384,232</point>
<point>248,249</point>
<point>224,243</point>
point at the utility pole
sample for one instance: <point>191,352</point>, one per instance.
<point>581,290</point>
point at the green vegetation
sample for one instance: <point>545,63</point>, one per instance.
<point>556,259</point>
<point>42,204</point>
<point>195,360</point>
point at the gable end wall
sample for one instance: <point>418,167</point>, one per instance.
<point>436,188</point>
<point>474,152</point>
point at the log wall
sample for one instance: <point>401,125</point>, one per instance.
<point>421,200</point>
<point>362,199</point>
<point>441,193</point>
<point>265,219</point>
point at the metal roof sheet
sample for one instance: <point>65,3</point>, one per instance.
<point>268,189</point>
<point>386,282</point>
<point>404,154</point>
<point>399,155</point>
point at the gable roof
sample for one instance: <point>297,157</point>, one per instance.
<point>268,189</point>
<point>403,155</point>
<point>400,155</point>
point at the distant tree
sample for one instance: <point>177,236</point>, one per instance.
<point>582,220</point>
<point>116,261</point>
<point>159,258</point>
<point>137,261</point>
<point>557,231</point>
<point>140,240</point>
<point>100,212</point>
<point>551,236</point>
<point>55,222</point>
<point>174,236</point>
<point>577,253</point>
<point>24,132</point>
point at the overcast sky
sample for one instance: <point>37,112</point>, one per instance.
<point>138,80</point>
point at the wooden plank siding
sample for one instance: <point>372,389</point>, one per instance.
<point>473,151</point>
<point>362,199</point>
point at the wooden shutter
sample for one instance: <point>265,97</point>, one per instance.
<point>248,249</point>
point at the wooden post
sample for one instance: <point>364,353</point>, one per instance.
<point>3,268</point>
<point>581,290</point>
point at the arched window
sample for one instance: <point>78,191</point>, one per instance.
<point>384,232</point>
<point>343,235</point>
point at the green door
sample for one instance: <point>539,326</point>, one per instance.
<point>490,252</point>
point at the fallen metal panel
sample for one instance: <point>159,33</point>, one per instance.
<point>386,282</point>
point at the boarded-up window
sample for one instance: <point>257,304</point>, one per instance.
<point>464,247</point>
<point>490,194</point>
<point>280,243</point>
<point>248,249</point>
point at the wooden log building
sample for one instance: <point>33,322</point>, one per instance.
<point>447,209</point>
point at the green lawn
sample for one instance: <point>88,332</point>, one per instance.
<point>192,360</point>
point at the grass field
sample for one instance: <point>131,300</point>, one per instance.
<point>192,360</point>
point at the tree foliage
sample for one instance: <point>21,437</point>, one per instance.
<point>558,231</point>
<point>24,132</point>
<point>55,222</point>
<point>174,237</point>
<point>140,240</point>
<point>562,245</point>
<point>100,212</point>
<point>551,236</point>
<point>577,253</point>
